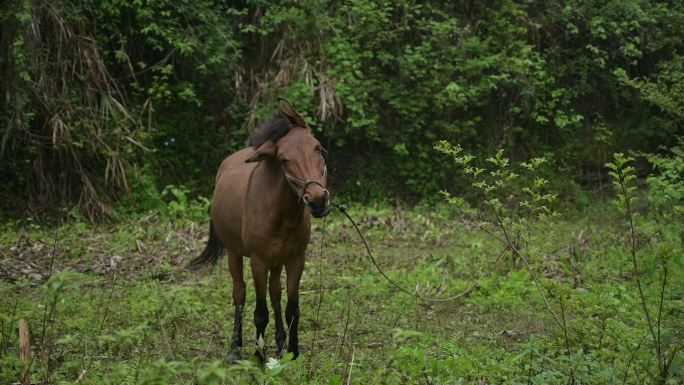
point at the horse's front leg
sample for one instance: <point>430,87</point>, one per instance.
<point>275,291</point>
<point>294,270</point>
<point>260,275</point>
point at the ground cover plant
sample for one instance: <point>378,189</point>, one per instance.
<point>559,304</point>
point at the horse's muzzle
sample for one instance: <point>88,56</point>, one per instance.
<point>320,207</point>
<point>322,213</point>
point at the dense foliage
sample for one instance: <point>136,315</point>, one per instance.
<point>104,100</point>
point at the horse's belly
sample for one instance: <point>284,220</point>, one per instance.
<point>227,202</point>
<point>277,247</point>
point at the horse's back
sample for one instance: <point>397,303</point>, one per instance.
<point>232,180</point>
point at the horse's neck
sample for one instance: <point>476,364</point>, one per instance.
<point>286,206</point>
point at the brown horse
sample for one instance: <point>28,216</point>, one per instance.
<point>261,209</point>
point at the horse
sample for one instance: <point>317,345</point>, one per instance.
<point>261,209</point>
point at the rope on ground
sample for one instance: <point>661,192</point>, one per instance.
<point>343,209</point>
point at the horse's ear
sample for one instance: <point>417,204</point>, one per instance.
<point>264,151</point>
<point>291,114</point>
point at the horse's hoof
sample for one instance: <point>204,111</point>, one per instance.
<point>233,358</point>
<point>259,357</point>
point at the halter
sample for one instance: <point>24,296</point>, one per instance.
<point>299,186</point>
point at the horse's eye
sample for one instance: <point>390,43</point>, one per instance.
<point>317,149</point>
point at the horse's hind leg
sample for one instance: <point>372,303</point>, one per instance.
<point>274,289</point>
<point>260,275</point>
<point>236,272</point>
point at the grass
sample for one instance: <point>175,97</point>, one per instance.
<point>119,307</point>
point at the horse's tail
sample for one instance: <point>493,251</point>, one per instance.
<point>212,252</point>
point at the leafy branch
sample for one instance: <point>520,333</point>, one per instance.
<point>526,205</point>
<point>624,181</point>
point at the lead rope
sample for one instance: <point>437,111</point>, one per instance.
<point>343,209</point>
<point>320,299</point>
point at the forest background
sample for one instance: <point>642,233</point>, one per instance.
<point>104,103</point>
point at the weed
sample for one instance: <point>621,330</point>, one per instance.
<point>127,312</point>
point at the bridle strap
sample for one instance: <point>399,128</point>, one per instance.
<point>299,186</point>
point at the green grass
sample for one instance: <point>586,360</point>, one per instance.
<point>121,309</point>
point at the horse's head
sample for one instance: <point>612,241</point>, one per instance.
<point>301,157</point>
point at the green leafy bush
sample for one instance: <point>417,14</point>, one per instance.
<point>666,186</point>
<point>174,86</point>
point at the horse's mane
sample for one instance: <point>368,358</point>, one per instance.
<point>272,129</point>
